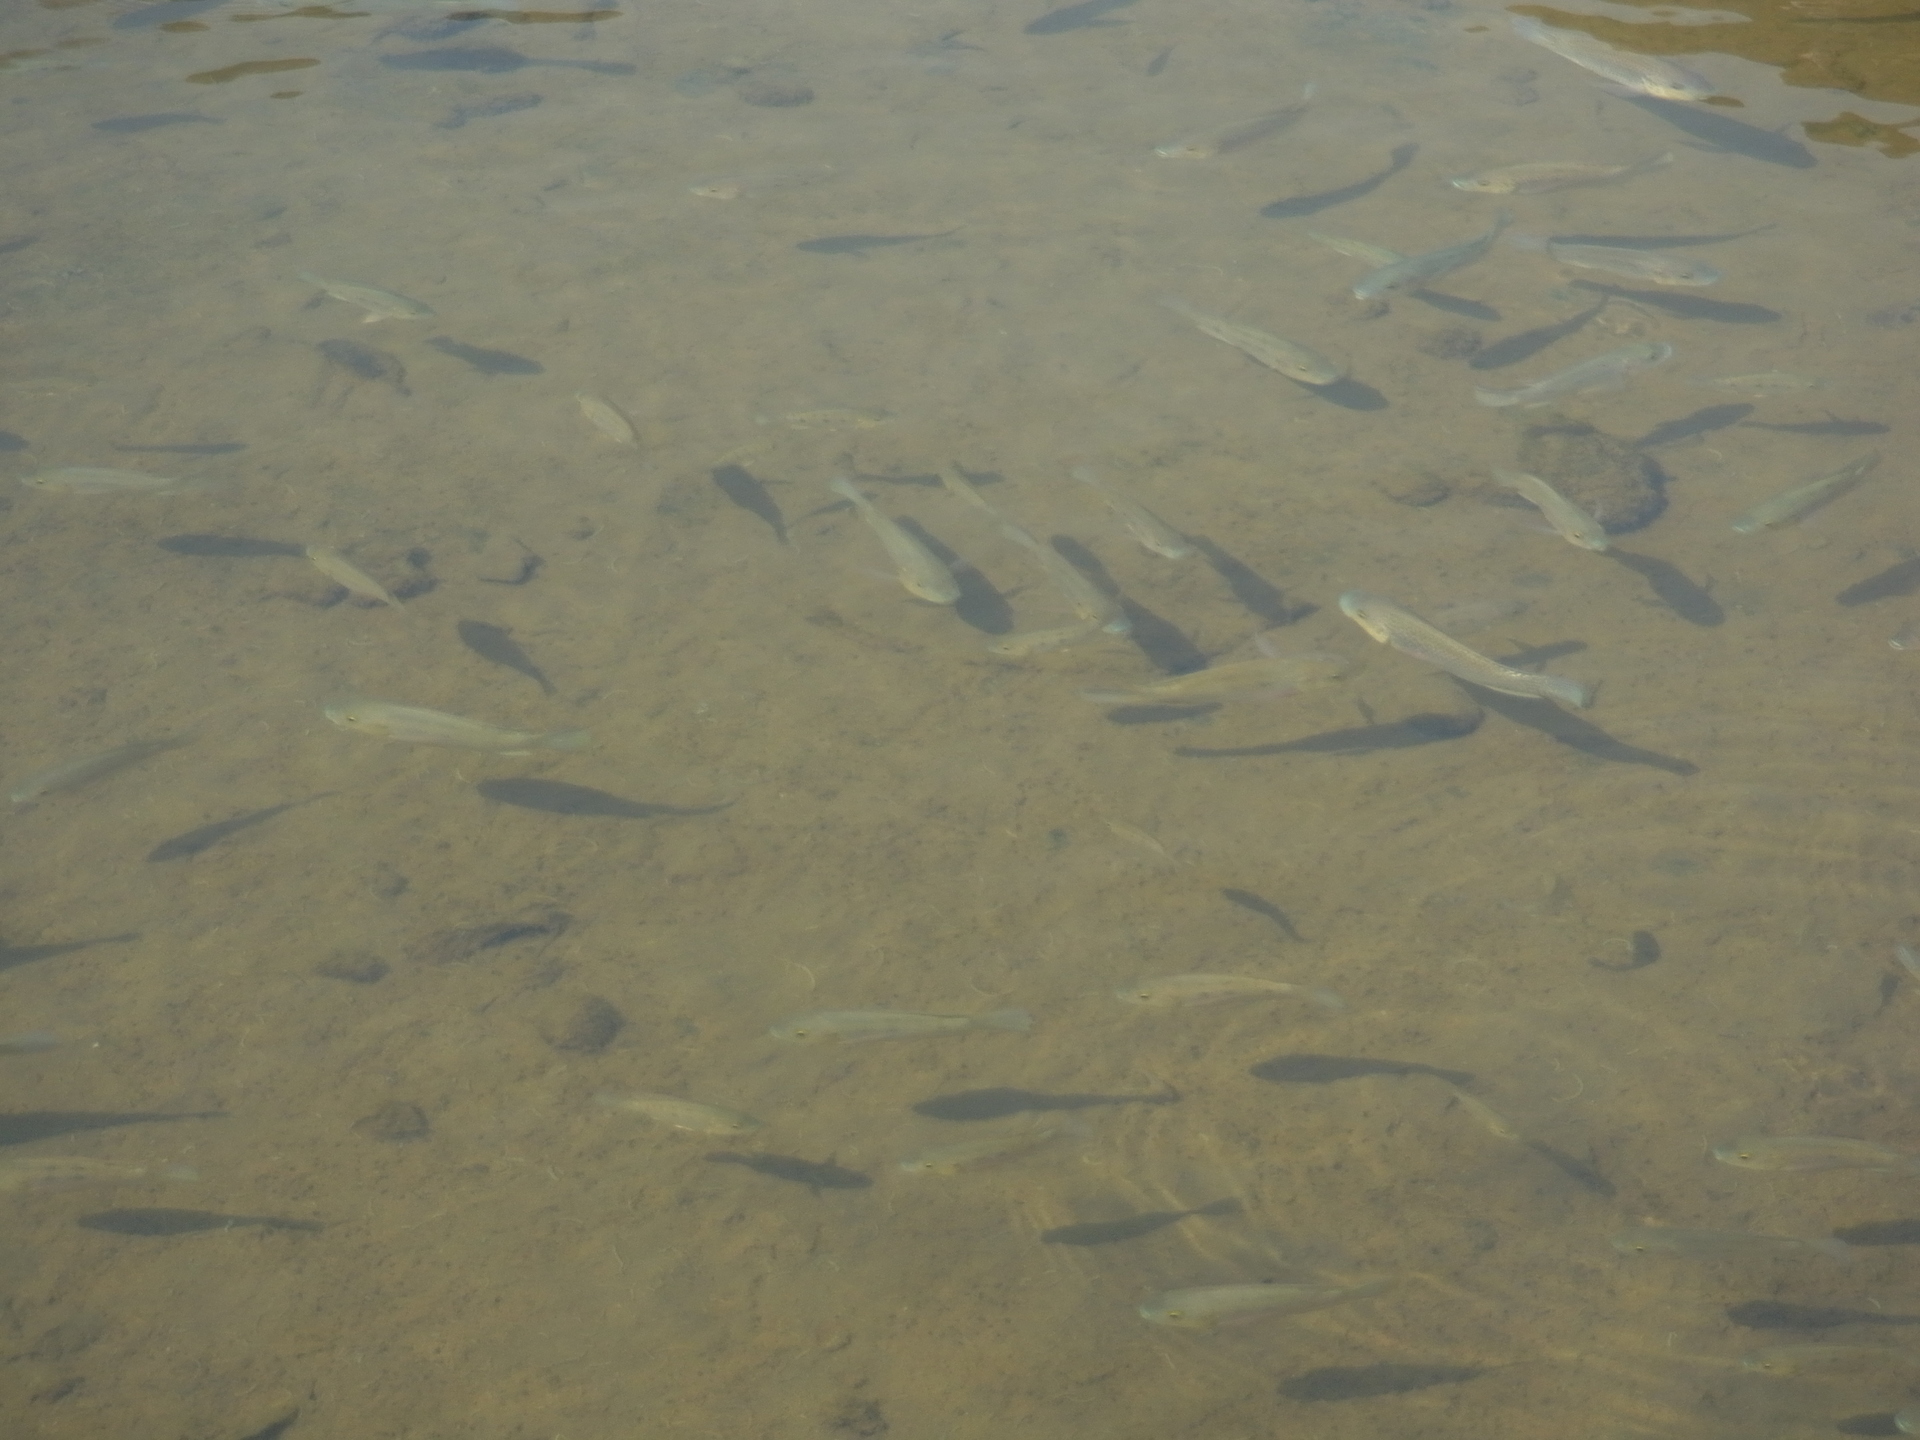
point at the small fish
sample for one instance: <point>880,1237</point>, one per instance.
<point>1138,521</point>
<point>1497,1124</point>
<point>499,105</point>
<point>1224,138</point>
<point>1814,1152</point>
<point>1084,15</point>
<point>1296,362</point>
<point>1415,271</point>
<point>982,1150</point>
<point>1175,991</point>
<point>33,1172</point>
<point>1783,1360</point>
<point>860,244</point>
<point>1378,256</point>
<point>837,417</point>
<point>415,726</point>
<point>1803,499</point>
<point>606,418</point>
<point>72,774</point>
<point>1544,175</point>
<point>681,1114</point>
<point>379,304</point>
<point>1040,642</point>
<point>91,480</point>
<point>1638,74</point>
<point>1265,678</point>
<point>1094,606</point>
<point>1406,632</point>
<point>1653,266</point>
<point>1602,372</point>
<point>31,1042</point>
<point>165,1220</point>
<point>922,573</point>
<point>1113,1232</point>
<point>1205,1306</point>
<point>1766,382</point>
<point>853,1026</point>
<point>1569,521</point>
<point>1721,1244</point>
<point>337,568</point>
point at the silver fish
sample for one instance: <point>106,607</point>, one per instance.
<point>1202,1307</point>
<point>1803,499</point>
<point>694,1115</point>
<point>1541,176</point>
<point>416,726</point>
<point>1094,606</point>
<point>343,572</point>
<point>1766,382</point>
<point>1783,1360</point>
<point>961,1155</point>
<point>92,480</point>
<point>1569,521</point>
<point>1410,635</point>
<point>1602,372</point>
<point>1653,266</point>
<point>1375,255</point>
<point>1640,74</point>
<point>72,774</point>
<point>1219,141</point>
<point>1814,1152</point>
<point>1416,270</point>
<point>922,573</point>
<point>1138,521</point>
<point>1722,1244</point>
<point>1171,991</point>
<point>605,417</point>
<point>1296,362</point>
<point>853,1026</point>
<point>379,304</point>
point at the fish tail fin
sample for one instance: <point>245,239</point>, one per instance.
<point>1571,692</point>
<point>1005,1020</point>
<point>566,740</point>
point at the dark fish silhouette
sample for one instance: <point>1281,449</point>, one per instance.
<point>24,1125</point>
<point>557,797</point>
<point>158,1220</point>
<point>1247,900</point>
<point>1881,1232</point>
<point>816,1175</point>
<point>491,60</point>
<point>1004,1100</point>
<point>751,496</point>
<point>1642,950</point>
<point>1780,1315</point>
<point>1086,14</point>
<point>451,947</point>
<point>232,547</point>
<point>194,842</point>
<point>488,362</point>
<point>860,244</point>
<point>231,447</point>
<point>12,955</point>
<point>498,105</point>
<point>1362,1382</point>
<point>495,643</point>
<point>1112,1232</point>
<point>1325,1069</point>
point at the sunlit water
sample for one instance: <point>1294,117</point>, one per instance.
<point>383,1005</point>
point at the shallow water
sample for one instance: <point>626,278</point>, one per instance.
<point>369,985</point>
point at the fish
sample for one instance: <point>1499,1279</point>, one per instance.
<point>1039,642</point>
<point>854,1026</point>
<point>337,568</point>
<point>413,725</point>
<point>1722,1244</point>
<point>1636,74</point>
<point>1803,499</point>
<point>1497,1124</point>
<point>1222,139</point>
<point>835,417</point>
<point>1265,678</point>
<point>1138,521</point>
<point>1602,372</point>
<point>1766,382</point>
<point>498,105</point>
<point>1378,256</point>
<point>32,1172</point>
<point>1084,15</point>
<point>1814,1152</point>
<point>92,480</point>
<point>72,774</point>
<point>30,1042</point>
<point>1569,521</point>
<point>1653,266</point>
<point>1094,606</point>
<point>1296,362</point>
<point>1171,991</point>
<point>496,643</point>
<point>379,304</point>
<point>1113,1232</point>
<point>694,1115</point>
<point>164,1220</point>
<point>1205,1306</point>
<point>605,417</point>
<point>922,573</point>
<point>1413,271</point>
<point>1783,1360</point>
<point>860,244</point>
<point>961,1155</point>
<point>1540,176</point>
<point>1406,632</point>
